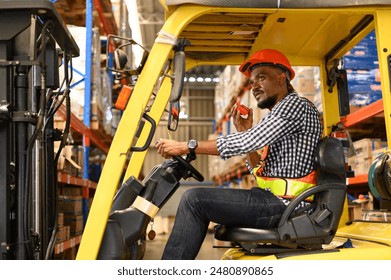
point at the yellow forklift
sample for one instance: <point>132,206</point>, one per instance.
<point>217,32</point>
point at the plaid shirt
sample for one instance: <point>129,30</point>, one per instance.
<point>292,130</point>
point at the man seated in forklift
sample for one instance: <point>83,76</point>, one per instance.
<point>288,135</point>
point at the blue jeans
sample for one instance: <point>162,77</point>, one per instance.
<point>249,208</point>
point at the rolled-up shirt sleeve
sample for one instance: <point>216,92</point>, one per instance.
<point>268,131</point>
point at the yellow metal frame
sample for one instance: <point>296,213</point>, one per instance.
<point>383,25</point>
<point>321,24</point>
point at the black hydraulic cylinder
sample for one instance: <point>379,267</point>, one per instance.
<point>21,86</point>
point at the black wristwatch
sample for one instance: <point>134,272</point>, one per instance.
<point>192,145</point>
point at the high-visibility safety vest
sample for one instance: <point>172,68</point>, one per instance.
<point>286,187</point>
<point>283,187</point>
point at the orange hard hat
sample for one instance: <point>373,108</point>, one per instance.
<point>267,57</point>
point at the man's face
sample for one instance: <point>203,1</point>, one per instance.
<point>268,85</point>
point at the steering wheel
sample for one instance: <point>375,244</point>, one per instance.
<point>190,169</point>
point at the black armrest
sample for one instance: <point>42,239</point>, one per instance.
<point>300,198</point>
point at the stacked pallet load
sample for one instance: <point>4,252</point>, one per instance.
<point>362,67</point>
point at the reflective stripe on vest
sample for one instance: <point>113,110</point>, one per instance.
<point>286,188</point>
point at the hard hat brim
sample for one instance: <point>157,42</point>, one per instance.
<point>247,66</point>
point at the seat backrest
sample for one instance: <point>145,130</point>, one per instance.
<point>330,161</point>
<point>320,225</point>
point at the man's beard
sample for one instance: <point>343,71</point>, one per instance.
<point>268,103</point>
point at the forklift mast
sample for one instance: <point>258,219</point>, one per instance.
<point>32,42</point>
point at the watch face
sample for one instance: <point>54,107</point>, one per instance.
<point>192,144</point>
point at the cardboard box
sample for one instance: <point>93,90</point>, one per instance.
<point>75,222</point>
<point>70,204</point>
<point>362,165</point>
<point>367,150</point>
<point>355,212</point>
<point>364,147</point>
<point>71,191</point>
<point>67,160</point>
<point>78,155</point>
<point>63,234</point>
<point>60,219</point>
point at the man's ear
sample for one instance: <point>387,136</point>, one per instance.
<point>282,78</point>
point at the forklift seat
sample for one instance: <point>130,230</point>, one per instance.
<point>304,228</point>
